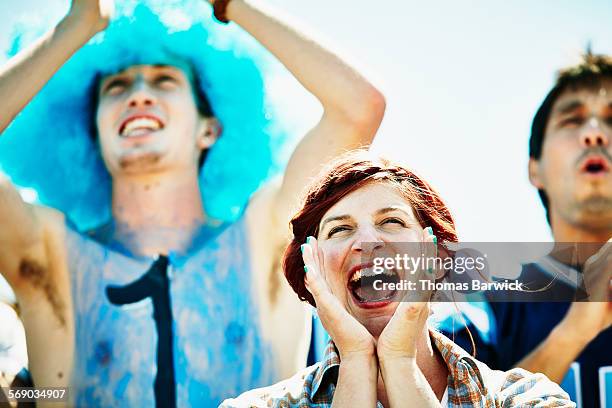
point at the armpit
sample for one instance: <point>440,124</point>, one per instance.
<point>40,278</point>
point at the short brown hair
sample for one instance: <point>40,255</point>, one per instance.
<point>346,174</point>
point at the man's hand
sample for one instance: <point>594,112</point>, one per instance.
<point>598,274</point>
<point>350,337</point>
<point>95,14</point>
<point>589,318</point>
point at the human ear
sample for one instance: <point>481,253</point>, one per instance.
<point>534,173</point>
<point>210,131</point>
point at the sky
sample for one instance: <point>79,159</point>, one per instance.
<point>462,81</point>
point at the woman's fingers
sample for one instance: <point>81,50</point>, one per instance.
<point>314,279</point>
<point>430,269</point>
<point>311,270</point>
<point>317,254</point>
<point>425,275</point>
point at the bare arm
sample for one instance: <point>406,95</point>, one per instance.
<point>21,235</point>
<point>32,259</point>
<point>353,108</point>
<point>356,384</point>
<point>555,354</point>
<point>24,75</point>
<point>405,383</point>
<point>568,339</point>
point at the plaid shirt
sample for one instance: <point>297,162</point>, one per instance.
<point>470,384</point>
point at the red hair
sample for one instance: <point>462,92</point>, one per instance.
<point>346,174</point>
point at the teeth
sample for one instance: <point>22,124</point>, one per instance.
<point>356,276</point>
<point>368,272</point>
<point>139,126</point>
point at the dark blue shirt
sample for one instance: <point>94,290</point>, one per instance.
<point>518,327</point>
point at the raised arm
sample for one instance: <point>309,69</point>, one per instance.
<point>24,75</point>
<point>352,107</point>
<point>32,250</point>
<point>32,261</point>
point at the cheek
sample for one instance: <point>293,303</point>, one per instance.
<point>105,121</point>
<point>414,234</point>
<point>559,155</point>
<point>183,110</point>
<point>333,260</point>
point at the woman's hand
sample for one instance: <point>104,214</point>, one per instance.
<point>350,337</point>
<point>93,14</point>
<point>405,384</point>
<point>399,338</point>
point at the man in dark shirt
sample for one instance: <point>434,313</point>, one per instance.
<point>571,166</point>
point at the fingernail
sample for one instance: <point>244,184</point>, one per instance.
<point>305,269</point>
<point>430,270</point>
<point>302,247</point>
<point>435,240</point>
<point>309,240</point>
<point>429,230</point>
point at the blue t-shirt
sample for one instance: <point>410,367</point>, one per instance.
<point>516,328</point>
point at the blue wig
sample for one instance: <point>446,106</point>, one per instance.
<point>49,147</point>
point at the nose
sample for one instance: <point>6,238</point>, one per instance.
<point>141,96</point>
<point>367,240</point>
<point>593,136</point>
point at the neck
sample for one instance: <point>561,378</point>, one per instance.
<point>585,240</point>
<point>156,213</point>
<point>431,364</point>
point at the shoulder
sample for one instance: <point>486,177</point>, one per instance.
<point>519,388</point>
<point>52,221</point>
<point>294,391</point>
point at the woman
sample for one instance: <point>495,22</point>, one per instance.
<point>381,349</point>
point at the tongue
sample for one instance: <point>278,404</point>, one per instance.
<point>367,293</point>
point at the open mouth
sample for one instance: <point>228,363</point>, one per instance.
<point>595,166</point>
<point>368,286</point>
<point>139,126</point>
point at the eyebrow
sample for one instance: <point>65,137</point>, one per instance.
<point>346,216</point>
<point>331,219</point>
<point>391,209</point>
<point>168,67</point>
<point>569,106</point>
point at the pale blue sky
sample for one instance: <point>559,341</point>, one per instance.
<point>462,81</point>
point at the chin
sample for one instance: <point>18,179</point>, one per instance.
<point>136,162</point>
<point>375,325</point>
<point>375,320</point>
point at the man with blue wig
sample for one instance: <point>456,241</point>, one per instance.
<point>171,295</point>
